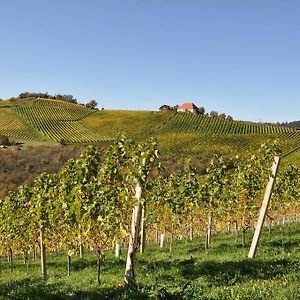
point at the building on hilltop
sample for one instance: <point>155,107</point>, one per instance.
<point>166,107</point>
<point>188,107</point>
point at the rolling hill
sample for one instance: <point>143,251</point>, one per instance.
<point>47,120</point>
<point>182,134</point>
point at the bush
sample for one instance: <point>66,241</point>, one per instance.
<point>4,140</point>
<point>62,142</point>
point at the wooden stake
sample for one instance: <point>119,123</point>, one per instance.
<point>43,254</point>
<point>264,207</point>
<point>156,234</point>
<point>143,232</point>
<point>80,243</point>
<point>118,250</point>
<point>69,265</point>
<point>162,240</point>
<point>134,238</point>
<point>209,229</point>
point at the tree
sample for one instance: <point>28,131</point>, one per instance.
<point>92,104</point>
<point>229,118</point>
<point>214,114</point>
<point>201,110</point>
<point>222,116</point>
<point>24,95</point>
<point>69,98</point>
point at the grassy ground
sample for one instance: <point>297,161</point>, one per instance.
<point>185,273</point>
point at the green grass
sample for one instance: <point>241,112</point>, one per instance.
<point>185,273</point>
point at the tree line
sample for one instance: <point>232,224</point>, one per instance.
<point>63,97</point>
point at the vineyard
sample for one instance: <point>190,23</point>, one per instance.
<point>179,133</point>
<point>85,209</point>
<point>186,122</point>
<point>13,126</point>
<point>194,134</point>
<point>137,125</point>
<point>189,134</point>
<point>58,120</point>
<point>197,144</point>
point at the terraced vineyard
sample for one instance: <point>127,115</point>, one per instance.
<point>58,120</point>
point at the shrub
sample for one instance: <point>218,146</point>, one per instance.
<point>4,140</point>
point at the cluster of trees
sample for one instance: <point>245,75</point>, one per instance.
<point>63,97</point>
<point>214,114</point>
<point>293,124</point>
<point>87,204</point>
<point>92,104</point>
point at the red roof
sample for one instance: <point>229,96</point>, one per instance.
<point>188,105</point>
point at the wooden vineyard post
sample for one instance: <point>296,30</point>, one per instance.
<point>143,232</point>
<point>156,234</point>
<point>209,229</point>
<point>80,242</point>
<point>264,207</point>
<point>118,250</point>
<point>162,240</point>
<point>43,254</point>
<point>134,239</point>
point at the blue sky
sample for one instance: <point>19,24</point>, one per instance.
<point>240,57</point>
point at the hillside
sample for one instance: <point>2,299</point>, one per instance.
<point>39,126</point>
<point>181,134</point>
<point>47,120</point>
<point>185,134</point>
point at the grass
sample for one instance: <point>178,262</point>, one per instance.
<point>185,273</point>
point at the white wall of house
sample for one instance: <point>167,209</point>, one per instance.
<point>194,111</point>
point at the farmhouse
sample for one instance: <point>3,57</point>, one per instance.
<point>188,107</point>
<point>166,107</point>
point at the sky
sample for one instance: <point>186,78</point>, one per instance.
<point>241,57</point>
